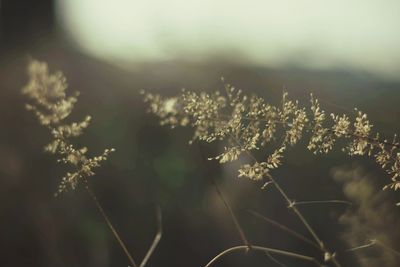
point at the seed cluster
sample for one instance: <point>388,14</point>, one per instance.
<point>52,105</point>
<point>247,123</point>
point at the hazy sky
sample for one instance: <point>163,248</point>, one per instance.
<point>361,35</point>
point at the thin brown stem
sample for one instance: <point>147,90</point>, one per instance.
<point>272,258</point>
<point>370,244</point>
<point>284,228</point>
<point>110,225</point>
<point>156,239</point>
<point>375,242</point>
<point>329,256</point>
<point>264,249</point>
<point>334,201</point>
<point>296,211</point>
<point>228,207</point>
<point>233,216</point>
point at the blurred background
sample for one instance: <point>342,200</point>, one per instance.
<point>346,53</point>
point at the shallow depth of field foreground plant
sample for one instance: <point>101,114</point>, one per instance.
<point>248,124</point>
<point>52,105</point>
<point>250,128</point>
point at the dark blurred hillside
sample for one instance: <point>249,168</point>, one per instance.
<point>154,165</point>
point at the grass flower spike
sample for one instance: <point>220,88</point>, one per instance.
<point>248,123</point>
<point>52,105</point>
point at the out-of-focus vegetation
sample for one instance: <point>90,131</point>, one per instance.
<point>156,165</point>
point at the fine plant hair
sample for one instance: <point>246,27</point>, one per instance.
<point>52,105</point>
<point>248,124</point>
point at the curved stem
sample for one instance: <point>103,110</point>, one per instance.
<point>328,256</point>
<point>264,249</point>
<point>284,228</point>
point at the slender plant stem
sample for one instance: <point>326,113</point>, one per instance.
<point>233,216</point>
<point>110,225</point>
<point>284,228</point>
<point>296,211</point>
<point>156,239</point>
<point>264,249</point>
<point>370,244</point>
<point>272,258</point>
<point>323,202</point>
<point>227,206</point>
<point>375,242</point>
<point>328,256</point>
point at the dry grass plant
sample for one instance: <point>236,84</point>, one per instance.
<point>52,105</point>
<point>245,124</point>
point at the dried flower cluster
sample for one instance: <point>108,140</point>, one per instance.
<point>246,123</point>
<point>52,106</point>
